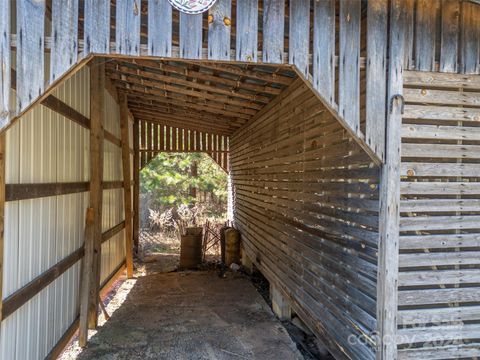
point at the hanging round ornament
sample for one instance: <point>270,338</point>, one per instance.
<point>192,6</point>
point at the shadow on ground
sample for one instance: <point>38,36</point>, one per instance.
<point>191,315</point>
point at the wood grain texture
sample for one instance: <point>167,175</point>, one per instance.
<point>64,50</point>
<point>299,36</point>
<point>30,74</point>
<point>450,35</point>
<point>349,69</point>
<point>390,193</point>
<point>219,28</point>
<point>97,27</point>
<point>376,92</point>
<point>440,215</point>
<point>127,26</point>
<point>324,49</point>
<point>247,27</point>
<point>469,38</point>
<point>5,63</point>
<point>425,31</point>
<point>273,30</point>
<point>97,118</point>
<point>289,169</point>
<point>159,28</point>
<point>127,188</point>
<point>190,36</point>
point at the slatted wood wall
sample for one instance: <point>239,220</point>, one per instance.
<point>156,138</point>
<point>439,278</point>
<point>306,204</point>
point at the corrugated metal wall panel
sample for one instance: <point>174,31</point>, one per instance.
<point>42,147</point>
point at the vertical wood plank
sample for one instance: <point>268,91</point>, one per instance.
<point>5,80</point>
<point>97,27</point>
<point>185,139</point>
<point>97,118</point>
<point>174,139</point>
<point>387,277</point>
<point>149,140</point>
<point>86,282</point>
<point>168,138</point>
<point>409,5</point>
<point>180,140</point>
<point>190,36</point>
<point>2,212</point>
<point>198,146</point>
<point>349,69</point>
<point>470,34</point>
<point>155,137</point>
<point>273,29</point>
<point>159,28</point>
<point>376,87</point>
<point>324,49</point>
<point>143,147</point>
<point>219,26</point>
<point>449,37</point>
<point>299,35</point>
<point>162,138</point>
<point>127,187</point>
<point>127,27</point>
<point>425,28</point>
<point>64,37</point>
<point>247,30</point>
<point>136,185</point>
<point>30,51</point>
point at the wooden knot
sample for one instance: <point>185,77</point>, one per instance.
<point>135,8</point>
<point>210,18</point>
<point>249,58</point>
<point>348,17</point>
<point>424,92</point>
<point>410,172</point>
<point>227,21</point>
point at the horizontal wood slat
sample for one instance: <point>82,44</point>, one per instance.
<point>23,295</point>
<point>439,295</point>
<point>15,192</point>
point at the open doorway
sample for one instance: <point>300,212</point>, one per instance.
<point>178,191</point>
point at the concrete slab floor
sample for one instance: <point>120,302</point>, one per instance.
<point>191,315</point>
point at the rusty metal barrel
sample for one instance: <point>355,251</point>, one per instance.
<point>191,248</point>
<point>232,246</point>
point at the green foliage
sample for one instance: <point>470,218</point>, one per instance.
<point>166,182</point>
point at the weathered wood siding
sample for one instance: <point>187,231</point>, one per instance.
<point>156,137</point>
<point>306,204</point>
<point>439,277</point>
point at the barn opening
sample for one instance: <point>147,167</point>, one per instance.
<point>355,188</point>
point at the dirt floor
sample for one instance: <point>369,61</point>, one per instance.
<point>188,315</point>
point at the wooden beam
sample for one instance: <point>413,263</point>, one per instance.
<point>136,184</point>
<point>2,214</point>
<point>389,224</point>
<point>15,192</point>
<point>97,116</point>
<point>24,294</point>
<point>127,187</point>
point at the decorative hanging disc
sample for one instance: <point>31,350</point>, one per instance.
<point>192,6</point>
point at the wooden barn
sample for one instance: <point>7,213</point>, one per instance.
<point>350,130</point>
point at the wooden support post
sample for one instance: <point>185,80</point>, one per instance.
<point>97,97</point>
<point>280,305</point>
<point>127,184</point>
<point>136,183</point>
<point>2,211</point>
<point>387,291</point>
<point>85,291</point>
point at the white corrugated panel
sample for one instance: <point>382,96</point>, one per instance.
<point>44,147</point>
